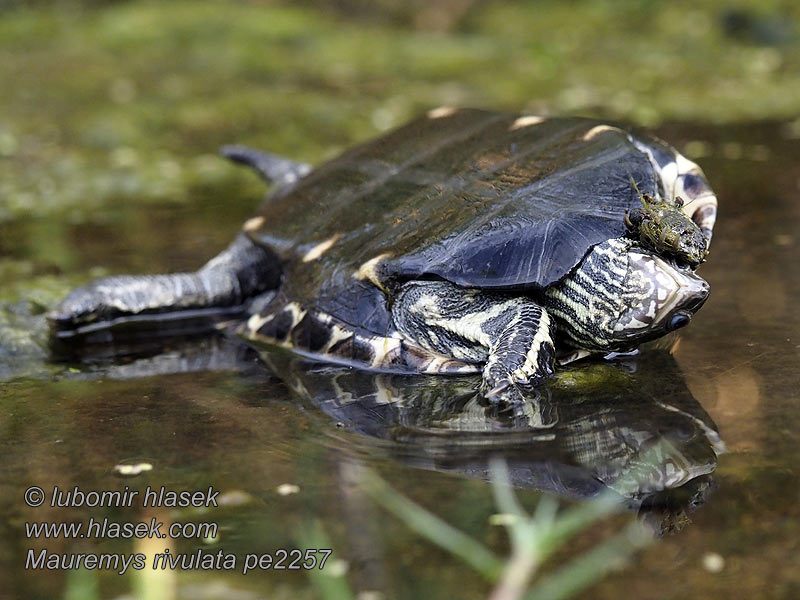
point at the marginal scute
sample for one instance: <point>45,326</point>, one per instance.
<point>253,224</point>
<point>525,121</point>
<point>385,351</point>
<point>368,270</point>
<point>321,248</point>
<point>256,322</point>
<point>441,112</point>
<point>597,130</point>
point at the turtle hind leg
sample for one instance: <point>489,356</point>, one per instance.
<point>241,271</point>
<point>511,335</point>
<point>273,168</point>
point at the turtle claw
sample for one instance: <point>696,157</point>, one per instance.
<point>505,393</point>
<point>525,407</point>
<point>497,390</point>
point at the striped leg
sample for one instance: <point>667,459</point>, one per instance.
<point>512,335</point>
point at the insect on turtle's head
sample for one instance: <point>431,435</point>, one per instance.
<point>689,243</point>
<point>661,226</point>
<point>657,297</point>
<point>673,233</point>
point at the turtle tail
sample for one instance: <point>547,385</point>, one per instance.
<point>221,287</point>
<point>272,168</point>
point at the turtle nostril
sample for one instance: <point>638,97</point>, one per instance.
<point>677,321</point>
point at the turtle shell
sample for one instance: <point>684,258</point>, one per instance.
<point>481,199</point>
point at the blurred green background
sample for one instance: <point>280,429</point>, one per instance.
<point>105,102</point>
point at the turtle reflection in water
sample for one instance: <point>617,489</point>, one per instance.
<point>466,241</point>
<point>617,434</point>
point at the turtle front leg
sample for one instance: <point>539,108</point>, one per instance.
<point>511,335</point>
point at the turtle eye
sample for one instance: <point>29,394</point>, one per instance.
<point>677,321</point>
<point>682,265</point>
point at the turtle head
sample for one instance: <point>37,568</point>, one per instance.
<point>657,297</point>
<point>623,295</point>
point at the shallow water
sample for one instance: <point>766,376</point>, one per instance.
<point>213,413</point>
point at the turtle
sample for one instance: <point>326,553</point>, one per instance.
<point>466,241</point>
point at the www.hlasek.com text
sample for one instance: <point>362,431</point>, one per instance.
<point>106,528</point>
